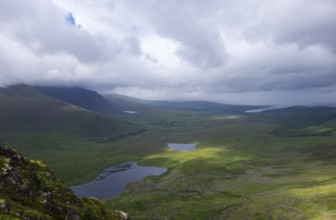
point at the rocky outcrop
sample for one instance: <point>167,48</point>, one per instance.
<point>29,190</point>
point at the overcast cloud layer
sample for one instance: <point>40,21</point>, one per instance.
<point>233,51</point>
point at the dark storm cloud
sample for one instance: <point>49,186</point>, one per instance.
<point>237,51</point>
<point>301,22</point>
<point>184,22</point>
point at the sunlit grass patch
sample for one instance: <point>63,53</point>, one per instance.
<point>316,202</point>
<point>200,158</point>
<point>225,117</point>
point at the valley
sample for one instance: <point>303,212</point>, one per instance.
<point>167,110</point>
<point>276,164</point>
<point>238,171</point>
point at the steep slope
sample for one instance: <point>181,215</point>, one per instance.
<point>21,90</point>
<point>23,108</point>
<point>124,103</point>
<point>59,133</point>
<point>29,190</point>
<point>81,97</point>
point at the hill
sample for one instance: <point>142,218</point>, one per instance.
<point>203,106</point>
<point>276,164</point>
<point>23,108</point>
<point>61,134</point>
<point>30,190</point>
<point>81,97</point>
<point>300,121</point>
<point>240,169</point>
<point>125,103</point>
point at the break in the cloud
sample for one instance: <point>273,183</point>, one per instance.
<point>236,51</point>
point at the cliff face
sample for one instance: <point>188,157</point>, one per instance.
<point>29,190</point>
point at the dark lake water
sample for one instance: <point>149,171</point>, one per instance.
<point>183,147</point>
<point>112,181</point>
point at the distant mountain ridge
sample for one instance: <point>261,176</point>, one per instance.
<point>81,97</point>
<point>130,103</point>
<point>25,108</point>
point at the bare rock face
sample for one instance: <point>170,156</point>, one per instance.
<point>29,190</point>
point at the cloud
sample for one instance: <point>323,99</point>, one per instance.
<point>200,43</point>
<point>229,51</point>
<point>42,27</point>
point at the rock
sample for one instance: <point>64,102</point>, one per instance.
<point>123,215</point>
<point>29,190</point>
<point>4,205</point>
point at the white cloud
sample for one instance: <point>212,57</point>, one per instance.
<point>232,50</point>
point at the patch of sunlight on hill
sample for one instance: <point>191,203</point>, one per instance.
<point>225,117</point>
<point>200,158</point>
<point>318,202</point>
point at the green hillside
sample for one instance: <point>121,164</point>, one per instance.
<point>23,108</point>
<point>240,169</point>
<point>46,128</point>
<point>126,103</point>
<point>81,97</point>
<point>169,113</point>
<point>304,121</point>
<point>29,190</point>
<point>276,164</point>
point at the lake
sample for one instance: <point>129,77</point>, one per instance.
<point>182,147</point>
<point>113,181</point>
<point>265,109</point>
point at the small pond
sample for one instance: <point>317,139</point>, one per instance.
<point>182,147</point>
<point>113,181</point>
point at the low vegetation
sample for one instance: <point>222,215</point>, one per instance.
<point>240,170</point>
<point>276,164</point>
<point>29,190</point>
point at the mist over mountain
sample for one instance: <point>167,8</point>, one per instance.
<point>25,108</point>
<point>238,52</point>
<point>234,98</point>
<point>81,97</point>
<point>123,102</point>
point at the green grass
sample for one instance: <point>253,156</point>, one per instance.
<point>240,169</point>
<point>30,191</point>
<point>303,121</point>
<point>73,158</point>
<point>237,170</point>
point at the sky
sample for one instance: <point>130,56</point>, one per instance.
<point>280,52</point>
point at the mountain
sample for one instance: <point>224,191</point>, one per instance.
<point>25,109</point>
<point>60,133</point>
<point>203,106</point>
<point>299,121</point>
<point>30,190</point>
<point>123,102</point>
<point>81,97</point>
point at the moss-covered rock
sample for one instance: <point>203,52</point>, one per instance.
<point>29,190</point>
